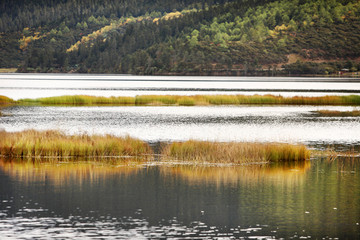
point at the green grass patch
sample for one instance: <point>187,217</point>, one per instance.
<point>235,152</point>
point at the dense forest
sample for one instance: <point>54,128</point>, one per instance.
<point>190,37</point>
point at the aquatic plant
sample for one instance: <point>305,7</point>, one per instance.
<point>328,113</point>
<point>352,100</point>
<point>38,144</point>
<point>235,152</point>
<point>5,100</point>
<point>81,100</point>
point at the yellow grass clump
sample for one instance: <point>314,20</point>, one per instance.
<point>141,100</point>
<point>39,144</point>
<point>81,100</point>
<point>235,152</point>
<point>5,100</point>
<point>8,70</point>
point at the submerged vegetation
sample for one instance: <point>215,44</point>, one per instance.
<point>40,144</point>
<point>235,152</point>
<point>352,100</point>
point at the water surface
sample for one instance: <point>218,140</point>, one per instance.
<point>313,200</point>
<point>18,86</point>
<point>292,124</point>
<point>317,199</point>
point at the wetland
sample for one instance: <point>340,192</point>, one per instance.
<point>187,183</point>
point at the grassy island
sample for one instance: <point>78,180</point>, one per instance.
<point>176,100</point>
<point>54,144</point>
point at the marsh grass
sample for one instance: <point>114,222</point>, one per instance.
<point>8,70</point>
<point>328,113</point>
<point>235,152</point>
<point>5,100</point>
<point>49,144</point>
<point>81,100</point>
<point>176,100</point>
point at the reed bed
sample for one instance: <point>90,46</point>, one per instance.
<point>40,144</point>
<point>235,152</point>
<point>328,113</point>
<point>141,100</point>
<point>81,100</point>
<point>5,100</point>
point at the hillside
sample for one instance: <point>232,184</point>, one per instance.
<point>190,37</point>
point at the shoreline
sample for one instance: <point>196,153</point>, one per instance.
<point>179,77</point>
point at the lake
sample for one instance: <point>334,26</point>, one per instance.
<point>318,199</point>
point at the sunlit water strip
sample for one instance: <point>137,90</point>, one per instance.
<point>17,94</point>
<point>291,124</point>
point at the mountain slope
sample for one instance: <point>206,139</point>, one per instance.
<point>209,38</point>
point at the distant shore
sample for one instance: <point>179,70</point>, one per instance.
<point>241,77</point>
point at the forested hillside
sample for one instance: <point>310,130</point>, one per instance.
<point>241,37</point>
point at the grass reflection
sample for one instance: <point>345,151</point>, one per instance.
<point>90,171</point>
<point>290,173</point>
<point>62,172</point>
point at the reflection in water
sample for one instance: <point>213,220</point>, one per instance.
<point>291,174</point>
<point>61,173</point>
<point>64,173</point>
<point>91,199</point>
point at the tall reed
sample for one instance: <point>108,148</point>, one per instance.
<point>235,152</point>
<point>31,143</point>
<point>352,100</point>
<point>81,100</point>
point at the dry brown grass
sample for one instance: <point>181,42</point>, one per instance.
<point>42,144</point>
<point>352,100</point>
<point>235,152</point>
<point>5,100</point>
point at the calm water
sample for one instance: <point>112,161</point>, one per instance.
<point>18,86</point>
<point>245,123</point>
<point>314,200</point>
